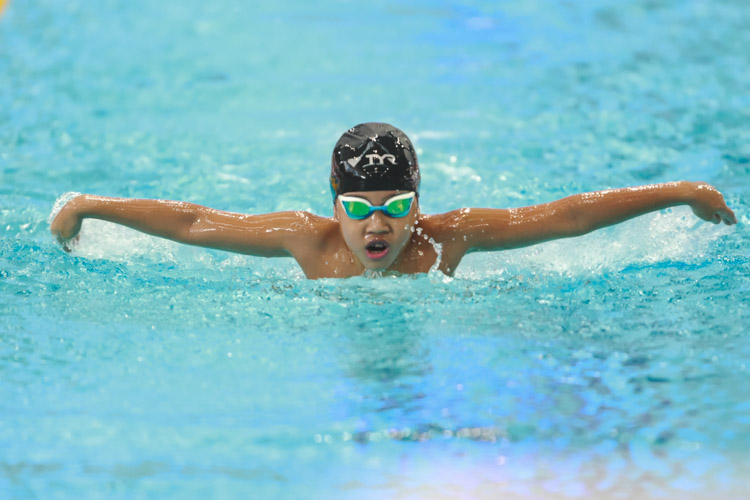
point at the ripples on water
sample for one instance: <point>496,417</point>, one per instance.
<point>627,364</point>
<point>612,365</point>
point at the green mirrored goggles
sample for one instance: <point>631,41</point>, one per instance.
<point>360,208</point>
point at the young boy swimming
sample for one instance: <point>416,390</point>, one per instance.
<point>377,225</point>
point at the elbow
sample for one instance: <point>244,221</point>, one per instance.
<point>196,232</point>
<point>579,227</point>
<point>191,228</point>
<point>575,223</point>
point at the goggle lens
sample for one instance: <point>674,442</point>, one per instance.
<point>356,209</point>
<point>399,208</point>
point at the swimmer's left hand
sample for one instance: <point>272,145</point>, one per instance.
<point>708,204</point>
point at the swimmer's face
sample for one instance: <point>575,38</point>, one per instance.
<point>379,239</point>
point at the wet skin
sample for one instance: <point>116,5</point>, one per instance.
<point>339,247</point>
<point>378,240</point>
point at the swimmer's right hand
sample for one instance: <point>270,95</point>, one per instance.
<point>67,224</point>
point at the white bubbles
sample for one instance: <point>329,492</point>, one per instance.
<point>59,203</point>
<point>105,240</point>
<point>373,273</point>
<point>675,235</point>
<point>439,251</point>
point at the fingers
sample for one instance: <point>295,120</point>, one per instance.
<point>732,219</point>
<point>68,245</point>
<point>725,215</point>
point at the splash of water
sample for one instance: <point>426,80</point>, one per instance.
<point>672,235</point>
<point>59,203</point>
<point>373,273</point>
<point>105,240</point>
<point>439,251</point>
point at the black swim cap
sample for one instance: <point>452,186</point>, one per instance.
<point>374,157</point>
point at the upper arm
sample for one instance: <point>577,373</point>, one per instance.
<point>277,234</point>
<point>498,229</point>
<point>487,229</point>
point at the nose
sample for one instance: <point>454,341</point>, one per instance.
<point>377,223</point>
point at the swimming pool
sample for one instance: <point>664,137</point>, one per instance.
<point>613,365</point>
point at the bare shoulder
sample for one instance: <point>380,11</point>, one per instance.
<point>319,248</point>
<point>465,222</point>
<point>447,230</point>
<point>310,234</point>
<point>309,228</point>
<point>470,229</point>
<point>275,234</point>
<point>439,225</point>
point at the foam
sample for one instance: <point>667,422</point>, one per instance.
<point>672,235</point>
<point>105,240</point>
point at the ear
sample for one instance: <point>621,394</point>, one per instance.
<point>335,209</point>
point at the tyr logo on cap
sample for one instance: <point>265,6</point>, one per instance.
<point>372,159</point>
<point>376,159</point>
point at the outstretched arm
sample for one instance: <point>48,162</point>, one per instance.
<point>490,229</point>
<point>267,235</point>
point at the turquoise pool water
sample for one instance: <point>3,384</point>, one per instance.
<point>613,365</point>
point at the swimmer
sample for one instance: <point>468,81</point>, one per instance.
<point>377,226</point>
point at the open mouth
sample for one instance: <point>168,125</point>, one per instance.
<point>376,249</point>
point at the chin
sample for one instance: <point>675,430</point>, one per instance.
<point>377,266</point>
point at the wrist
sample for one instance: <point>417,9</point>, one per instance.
<point>81,205</point>
<point>703,194</point>
<point>689,191</point>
